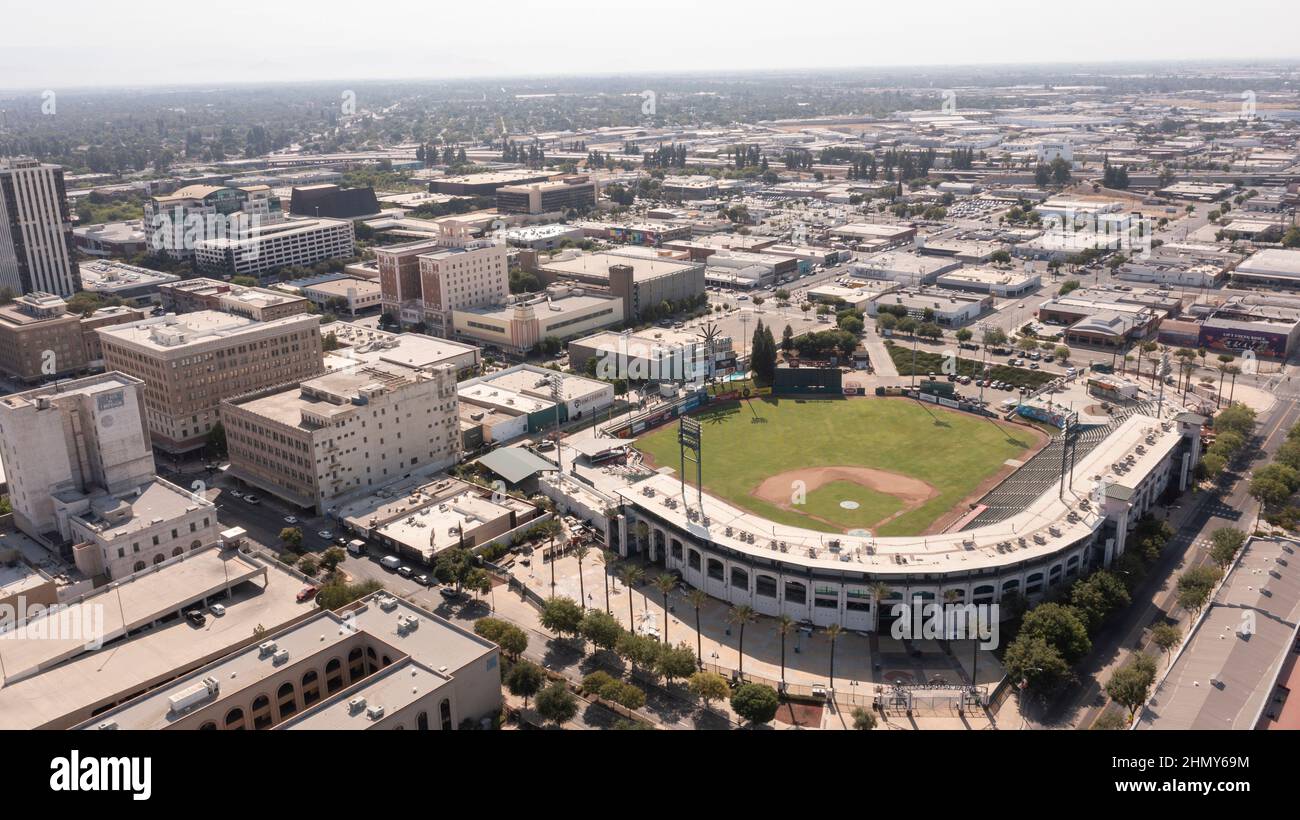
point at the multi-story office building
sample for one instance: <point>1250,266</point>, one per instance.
<point>41,340</point>
<point>191,362</point>
<point>643,282</point>
<point>456,273</point>
<point>346,432</point>
<point>577,192</point>
<point>264,248</point>
<point>35,229</point>
<point>130,283</point>
<point>561,313</point>
<point>78,435</point>
<point>176,223</point>
<point>262,304</point>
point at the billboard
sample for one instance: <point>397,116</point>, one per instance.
<point>1261,342</point>
<point>816,380</point>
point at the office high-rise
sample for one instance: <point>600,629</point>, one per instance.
<point>35,230</point>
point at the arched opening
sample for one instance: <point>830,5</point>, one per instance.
<point>195,544</point>
<point>693,559</point>
<point>796,592</point>
<point>139,566</point>
<point>158,559</point>
<point>310,687</point>
<point>356,665</point>
<point>286,700</point>
<point>210,726</point>
<point>444,714</point>
<point>235,719</point>
<point>177,552</point>
<point>739,578</point>
<point>716,570</point>
<point>262,712</point>
<point>765,585</point>
<point>333,676</point>
<point>422,721</point>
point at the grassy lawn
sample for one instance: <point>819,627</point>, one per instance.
<point>747,442</point>
<point>824,502</point>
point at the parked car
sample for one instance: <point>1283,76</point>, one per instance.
<point>217,609</point>
<point>289,519</point>
<point>423,580</point>
<point>326,535</point>
<point>252,499</point>
<point>236,494</point>
<point>195,617</point>
<point>307,593</point>
<point>404,571</point>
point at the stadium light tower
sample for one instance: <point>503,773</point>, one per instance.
<point>557,393</point>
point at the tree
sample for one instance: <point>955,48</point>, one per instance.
<point>581,552</point>
<point>1037,663</point>
<point>607,558</point>
<point>1097,596</point>
<point>863,719</point>
<point>563,616</point>
<point>1274,483</point>
<point>833,631</point>
<point>291,536</point>
<point>676,662</point>
<point>740,615</point>
<point>1130,685</point>
<point>665,583</point>
<point>454,566</point>
<point>787,339</point>
<point>1167,636</point>
<point>964,335</point>
<point>1195,586</point>
<point>332,558</point>
<point>697,598</point>
<point>524,680</point>
<point>630,576</point>
<point>217,440</point>
<point>994,337</point>
<point>557,704</point>
<point>1061,627</point>
<point>1224,543</point>
<point>601,628</point>
<point>785,624</point>
<point>1063,353</point>
<point>755,703</point>
<point>708,687</point>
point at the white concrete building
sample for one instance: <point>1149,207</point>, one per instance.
<point>344,433</point>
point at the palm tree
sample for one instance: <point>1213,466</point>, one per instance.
<point>784,626</point>
<point>630,576</point>
<point>740,615</point>
<point>666,583</point>
<point>697,599</point>
<point>1233,370</point>
<point>642,533</point>
<point>833,631</point>
<point>1222,367</point>
<point>607,557</point>
<point>1146,348</point>
<point>879,591</point>
<point>581,551</point>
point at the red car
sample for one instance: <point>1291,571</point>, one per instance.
<point>307,593</point>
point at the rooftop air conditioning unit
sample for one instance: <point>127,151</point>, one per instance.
<point>356,705</point>
<point>375,712</point>
<point>280,657</point>
<point>266,649</point>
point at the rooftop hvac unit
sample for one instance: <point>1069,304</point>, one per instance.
<point>266,648</point>
<point>356,705</point>
<point>108,724</point>
<point>280,657</point>
<point>191,695</point>
<point>388,603</point>
<point>375,712</point>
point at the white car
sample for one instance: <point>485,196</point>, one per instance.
<point>217,609</point>
<point>326,534</point>
<point>289,519</point>
<point>236,494</point>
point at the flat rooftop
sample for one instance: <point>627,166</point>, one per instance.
<point>170,332</point>
<point>114,516</point>
<point>88,386</point>
<point>530,382</point>
<point>1223,678</point>
<point>598,264</point>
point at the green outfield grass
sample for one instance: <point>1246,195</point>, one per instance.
<point>747,442</point>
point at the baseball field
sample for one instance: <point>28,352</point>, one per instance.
<point>893,466</point>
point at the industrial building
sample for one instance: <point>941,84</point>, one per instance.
<point>642,283</point>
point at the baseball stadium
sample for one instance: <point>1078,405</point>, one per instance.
<point>830,509</point>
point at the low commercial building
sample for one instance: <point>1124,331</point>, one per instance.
<point>190,363</point>
<point>344,294</point>
<point>692,186</point>
<point>358,345</point>
<point>562,312</point>
<point>857,295</point>
<point>906,268</point>
<point>438,516</point>
<point>130,283</point>
<point>943,307</point>
<point>658,354</point>
<point>530,399</point>
<point>543,237</point>
<point>1198,191</point>
<point>40,340</point>
<point>1002,283</point>
<point>642,283</point>
<point>1266,324</point>
<point>343,434</point>
<point>266,248</point>
<point>486,183</point>
<point>333,201</point>
<point>873,232</point>
<point>1269,268</point>
<point>653,234</point>
<point>260,304</point>
<point>123,239</point>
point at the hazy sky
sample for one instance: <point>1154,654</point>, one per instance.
<point>179,42</point>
